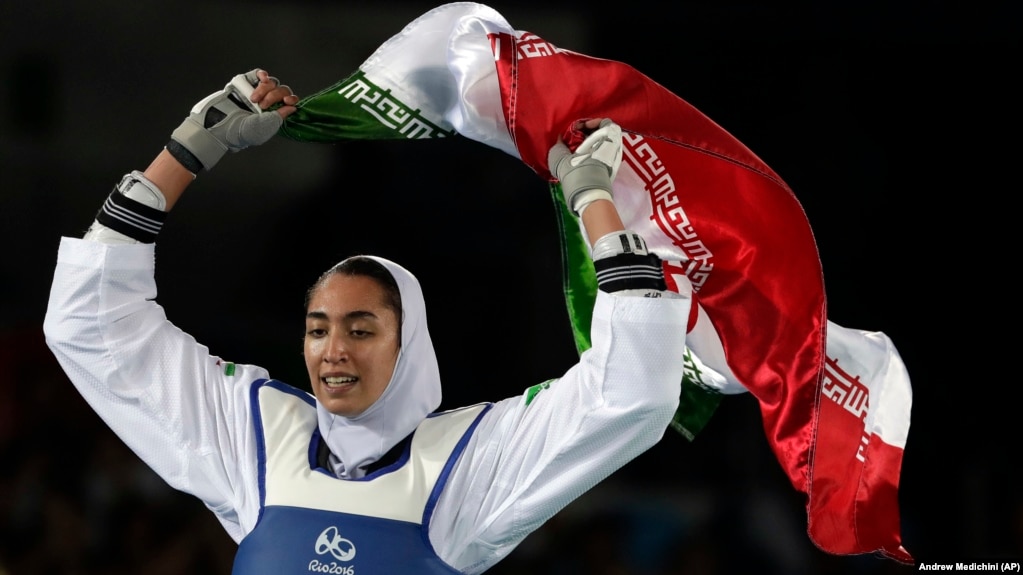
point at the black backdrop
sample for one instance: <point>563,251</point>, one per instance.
<point>893,125</point>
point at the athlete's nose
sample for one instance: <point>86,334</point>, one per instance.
<point>337,349</point>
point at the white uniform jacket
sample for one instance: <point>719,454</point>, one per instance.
<point>186,416</point>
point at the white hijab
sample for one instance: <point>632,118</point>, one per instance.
<point>413,392</point>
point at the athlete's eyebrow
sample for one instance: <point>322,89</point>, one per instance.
<point>355,314</point>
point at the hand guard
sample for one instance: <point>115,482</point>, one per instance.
<point>586,174</point>
<point>223,121</point>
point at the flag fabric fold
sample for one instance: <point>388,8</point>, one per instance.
<point>835,402</point>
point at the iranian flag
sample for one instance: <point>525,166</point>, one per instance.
<point>835,401</point>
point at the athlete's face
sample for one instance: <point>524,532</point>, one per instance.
<point>351,343</point>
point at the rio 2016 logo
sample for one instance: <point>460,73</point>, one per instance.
<point>330,541</point>
<point>333,568</point>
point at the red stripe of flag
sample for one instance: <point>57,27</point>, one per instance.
<point>765,296</point>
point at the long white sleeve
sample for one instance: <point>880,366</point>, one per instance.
<point>159,390</point>
<point>529,459</point>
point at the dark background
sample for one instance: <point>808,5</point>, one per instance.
<point>894,124</point>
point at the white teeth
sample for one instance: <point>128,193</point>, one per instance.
<point>339,380</point>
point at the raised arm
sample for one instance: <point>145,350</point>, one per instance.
<point>171,401</point>
<point>620,257</point>
<point>226,120</point>
<point>535,453</point>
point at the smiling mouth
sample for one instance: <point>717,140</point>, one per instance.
<point>338,382</point>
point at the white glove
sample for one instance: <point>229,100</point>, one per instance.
<point>586,174</point>
<point>223,121</point>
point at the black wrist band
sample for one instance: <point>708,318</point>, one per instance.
<point>630,271</point>
<point>133,219</point>
<point>184,157</point>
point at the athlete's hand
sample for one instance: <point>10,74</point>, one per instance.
<point>587,173</point>
<point>247,112</point>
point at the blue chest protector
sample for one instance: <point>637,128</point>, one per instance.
<point>313,522</point>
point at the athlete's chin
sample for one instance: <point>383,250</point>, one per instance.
<point>342,407</point>
<point>339,402</point>
<point>342,410</point>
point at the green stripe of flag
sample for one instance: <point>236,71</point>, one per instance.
<point>358,109</point>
